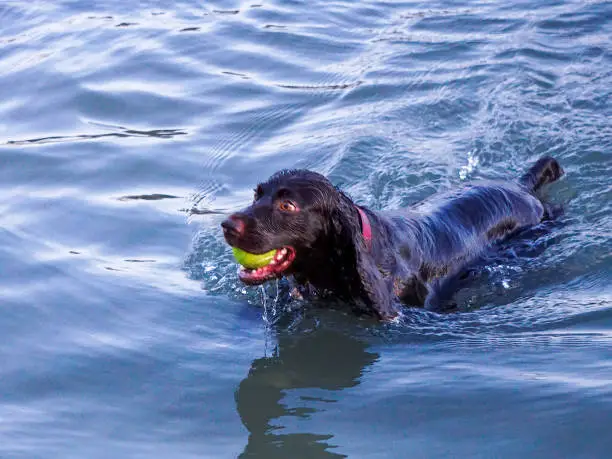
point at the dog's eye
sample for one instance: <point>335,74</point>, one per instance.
<point>287,206</point>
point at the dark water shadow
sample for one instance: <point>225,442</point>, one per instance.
<point>125,133</point>
<point>147,197</point>
<point>324,359</point>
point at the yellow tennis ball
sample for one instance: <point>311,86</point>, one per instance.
<point>252,260</point>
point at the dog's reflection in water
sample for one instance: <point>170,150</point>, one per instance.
<point>323,359</point>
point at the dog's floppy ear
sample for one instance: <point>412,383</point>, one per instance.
<point>357,265</point>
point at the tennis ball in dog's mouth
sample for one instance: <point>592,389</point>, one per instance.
<point>252,260</point>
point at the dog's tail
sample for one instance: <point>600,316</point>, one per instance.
<point>546,170</point>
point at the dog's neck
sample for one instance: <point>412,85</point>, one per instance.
<point>331,263</point>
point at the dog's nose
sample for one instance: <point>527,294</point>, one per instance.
<point>233,225</point>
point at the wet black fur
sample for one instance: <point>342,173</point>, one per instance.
<point>418,256</point>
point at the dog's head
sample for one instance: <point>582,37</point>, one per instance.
<point>290,214</point>
<point>315,232</point>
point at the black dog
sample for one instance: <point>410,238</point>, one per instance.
<point>371,259</point>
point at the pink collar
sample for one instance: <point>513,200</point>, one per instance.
<point>366,228</point>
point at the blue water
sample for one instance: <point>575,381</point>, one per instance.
<point>129,129</point>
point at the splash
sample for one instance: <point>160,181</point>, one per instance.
<point>471,165</point>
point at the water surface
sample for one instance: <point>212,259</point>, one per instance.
<point>129,129</point>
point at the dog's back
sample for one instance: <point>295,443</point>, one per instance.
<point>450,232</point>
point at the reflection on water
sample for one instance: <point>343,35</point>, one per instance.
<point>326,360</point>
